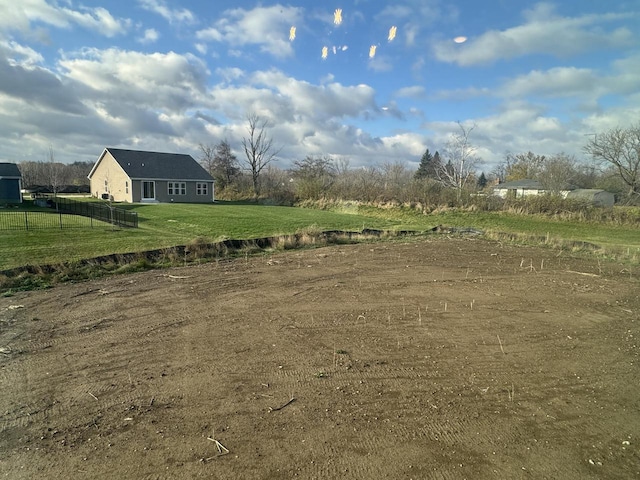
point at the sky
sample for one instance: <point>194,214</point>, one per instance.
<point>368,81</point>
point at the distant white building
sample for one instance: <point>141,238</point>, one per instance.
<point>526,187</point>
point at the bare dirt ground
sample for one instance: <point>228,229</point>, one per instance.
<point>444,358</point>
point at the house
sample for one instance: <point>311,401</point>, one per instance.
<point>526,187</point>
<point>519,188</point>
<point>10,183</point>
<point>150,177</point>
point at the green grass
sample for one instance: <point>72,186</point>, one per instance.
<point>620,241</point>
<point>600,234</point>
<point>608,236</point>
<point>167,225</point>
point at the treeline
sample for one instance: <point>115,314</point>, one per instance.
<point>56,177</point>
<point>448,178</point>
<point>325,178</point>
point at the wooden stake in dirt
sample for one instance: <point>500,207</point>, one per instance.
<point>275,409</point>
<point>500,342</point>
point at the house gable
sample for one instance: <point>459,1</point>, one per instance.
<point>109,180</point>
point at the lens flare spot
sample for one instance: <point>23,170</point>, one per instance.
<point>372,51</point>
<point>292,34</point>
<point>337,16</point>
<point>392,33</point>
<point>325,52</point>
<point>460,39</point>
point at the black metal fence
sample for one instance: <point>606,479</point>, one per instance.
<point>67,213</point>
<point>98,211</point>
<point>45,220</point>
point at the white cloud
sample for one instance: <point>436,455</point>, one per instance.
<point>229,74</point>
<point>543,32</point>
<point>19,16</point>
<point>407,143</point>
<point>380,63</point>
<point>18,54</point>
<point>164,81</point>
<point>24,83</point>
<point>560,81</point>
<point>171,15</point>
<point>150,35</point>
<point>332,100</point>
<point>463,93</point>
<point>99,20</point>
<point>415,91</point>
<point>267,27</point>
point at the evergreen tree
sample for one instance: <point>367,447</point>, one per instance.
<point>225,164</point>
<point>429,165</point>
<point>482,181</point>
<point>436,165</point>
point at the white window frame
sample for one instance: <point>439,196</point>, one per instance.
<point>202,188</point>
<point>177,188</point>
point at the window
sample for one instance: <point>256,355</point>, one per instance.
<point>177,188</point>
<point>106,185</point>
<point>126,187</point>
<point>202,189</point>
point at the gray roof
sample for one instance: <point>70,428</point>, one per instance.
<point>522,183</point>
<point>9,170</point>
<point>588,192</point>
<point>164,166</point>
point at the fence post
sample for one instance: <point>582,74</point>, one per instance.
<point>60,213</point>
<point>26,221</point>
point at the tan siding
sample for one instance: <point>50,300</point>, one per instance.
<point>116,180</point>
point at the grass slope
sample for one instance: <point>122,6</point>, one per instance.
<point>166,225</point>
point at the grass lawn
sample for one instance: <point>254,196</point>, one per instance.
<point>166,225</point>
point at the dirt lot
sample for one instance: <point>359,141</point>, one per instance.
<point>445,358</point>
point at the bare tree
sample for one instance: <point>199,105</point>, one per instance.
<point>367,183</point>
<point>620,148</point>
<point>314,176</point>
<point>32,173</point>
<point>461,161</point>
<point>207,156</point>
<point>396,177</point>
<point>523,165</point>
<point>341,164</point>
<point>221,163</point>
<point>55,173</point>
<point>558,173</point>
<point>259,148</point>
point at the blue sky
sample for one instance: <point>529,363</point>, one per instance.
<point>170,75</point>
